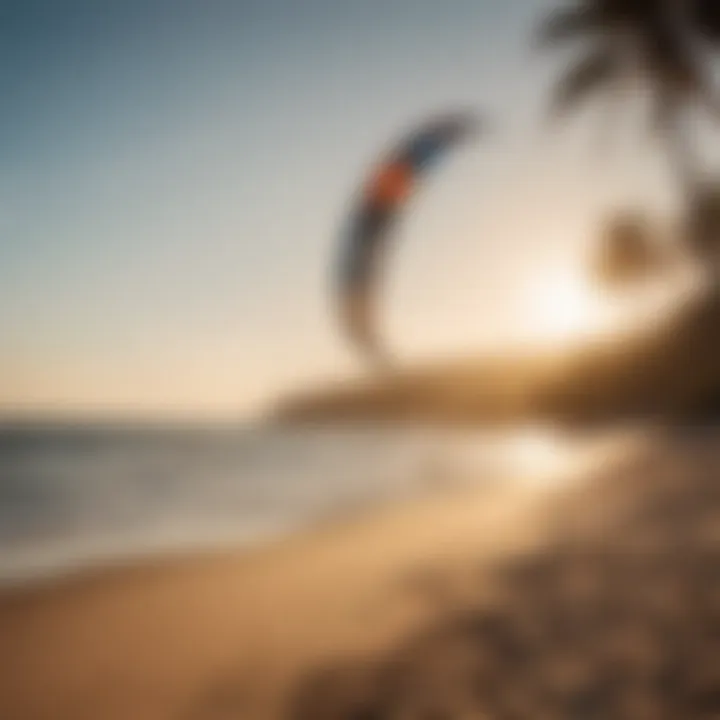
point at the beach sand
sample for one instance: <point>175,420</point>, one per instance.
<point>371,602</point>
<point>226,635</point>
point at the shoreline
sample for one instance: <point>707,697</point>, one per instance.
<point>156,639</point>
<point>40,573</point>
<point>305,533</point>
<point>536,453</point>
<point>232,633</point>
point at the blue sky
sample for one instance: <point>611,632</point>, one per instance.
<point>175,174</point>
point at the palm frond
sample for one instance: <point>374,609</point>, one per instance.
<point>570,23</point>
<point>591,74</point>
<point>705,18</point>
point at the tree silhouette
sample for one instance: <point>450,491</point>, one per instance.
<point>657,47</point>
<point>651,44</point>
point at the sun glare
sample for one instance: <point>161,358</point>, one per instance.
<point>565,306</point>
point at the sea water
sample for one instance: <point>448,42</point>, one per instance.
<point>74,495</point>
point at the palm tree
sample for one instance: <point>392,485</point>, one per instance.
<point>655,44</point>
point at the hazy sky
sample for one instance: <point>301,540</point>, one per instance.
<point>175,174</point>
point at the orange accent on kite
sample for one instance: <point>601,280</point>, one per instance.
<point>392,184</point>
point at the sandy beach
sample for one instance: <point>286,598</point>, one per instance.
<point>227,635</point>
<point>240,634</point>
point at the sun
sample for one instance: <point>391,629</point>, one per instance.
<point>563,305</point>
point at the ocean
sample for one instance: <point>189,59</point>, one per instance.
<point>78,495</point>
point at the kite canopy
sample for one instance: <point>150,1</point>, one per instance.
<point>381,201</point>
